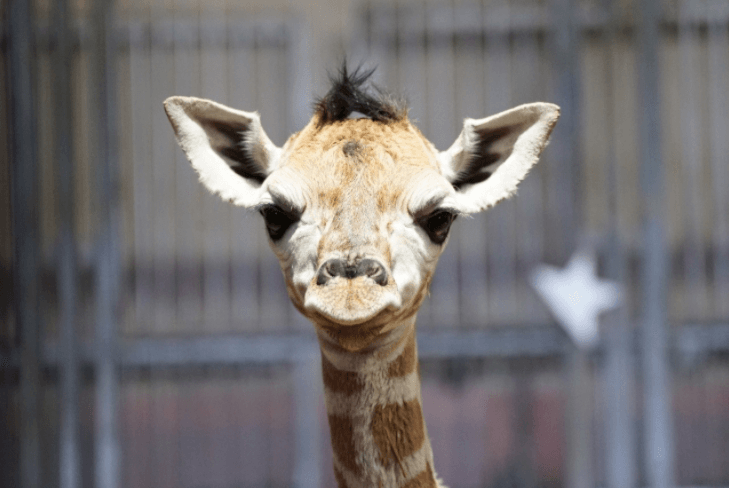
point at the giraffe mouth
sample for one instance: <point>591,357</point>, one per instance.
<point>351,302</point>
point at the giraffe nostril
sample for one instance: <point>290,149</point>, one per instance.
<point>335,267</point>
<point>338,267</point>
<point>374,270</point>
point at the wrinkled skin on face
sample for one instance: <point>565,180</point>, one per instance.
<point>360,190</point>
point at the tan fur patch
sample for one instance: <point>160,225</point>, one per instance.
<point>405,363</point>
<point>340,478</point>
<point>347,382</point>
<point>330,198</point>
<point>342,435</point>
<point>398,431</point>
<point>425,479</point>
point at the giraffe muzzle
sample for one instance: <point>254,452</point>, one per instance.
<point>340,268</point>
<point>350,292</point>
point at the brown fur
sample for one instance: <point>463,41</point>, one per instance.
<point>347,382</point>
<point>342,434</point>
<point>405,362</point>
<point>341,482</point>
<point>353,338</point>
<point>398,431</point>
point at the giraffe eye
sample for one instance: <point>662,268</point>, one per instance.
<point>437,225</point>
<point>277,220</point>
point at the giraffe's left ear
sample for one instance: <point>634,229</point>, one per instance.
<point>493,155</point>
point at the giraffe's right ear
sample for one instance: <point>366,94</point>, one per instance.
<point>228,148</point>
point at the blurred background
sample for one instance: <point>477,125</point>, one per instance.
<point>146,339</point>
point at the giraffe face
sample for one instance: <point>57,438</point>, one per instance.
<point>358,213</point>
<point>358,210</point>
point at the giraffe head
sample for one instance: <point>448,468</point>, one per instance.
<point>358,210</point>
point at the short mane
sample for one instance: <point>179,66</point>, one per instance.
<point>348,94</point>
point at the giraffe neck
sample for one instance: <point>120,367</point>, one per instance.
<point>375,413</point>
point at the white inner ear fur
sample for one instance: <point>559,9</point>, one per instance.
<point>196,122</point>
<point>518,151</point>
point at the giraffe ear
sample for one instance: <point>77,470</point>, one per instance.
<point>493,155</point>
<point>228,148</point>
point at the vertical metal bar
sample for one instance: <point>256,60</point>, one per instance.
<point>163,173</point>
<point>70,472</point>
<point>107,268</point>
<point>619,361</point>
<point>565,145</point>
<point>657,400</point>
<point>142,194</point>
<point>579,420</point>
<point>718,41</point>
<point>690,45</point>
<point>300,83</point>
<point>25,232</point>
<point>308,392</point>
<point>561,236</point>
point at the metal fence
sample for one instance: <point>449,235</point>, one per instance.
<point>146,338</point>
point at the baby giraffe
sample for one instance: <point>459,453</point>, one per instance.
<point>358,212</point>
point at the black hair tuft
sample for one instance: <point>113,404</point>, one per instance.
<point>349,94</point>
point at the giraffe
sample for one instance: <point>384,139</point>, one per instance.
<point>358,211</point>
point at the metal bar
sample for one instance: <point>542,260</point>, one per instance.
<point>565,146</point>
<point>300,84</point>
<point>579,431</point>
<point>659,447</point>
<point>690,45</point>
<point>218,350</point>
<point>718,42</point>
<point>307,394</point>
<point>538,341</point>
<point>238,350</point>
<point>563,231</point>
<point>62,59</point>
<point>107,270</point>
<point>618,332</point>
<point>25,233</point>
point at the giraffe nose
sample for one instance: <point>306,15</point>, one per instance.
<point>339,267</point>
